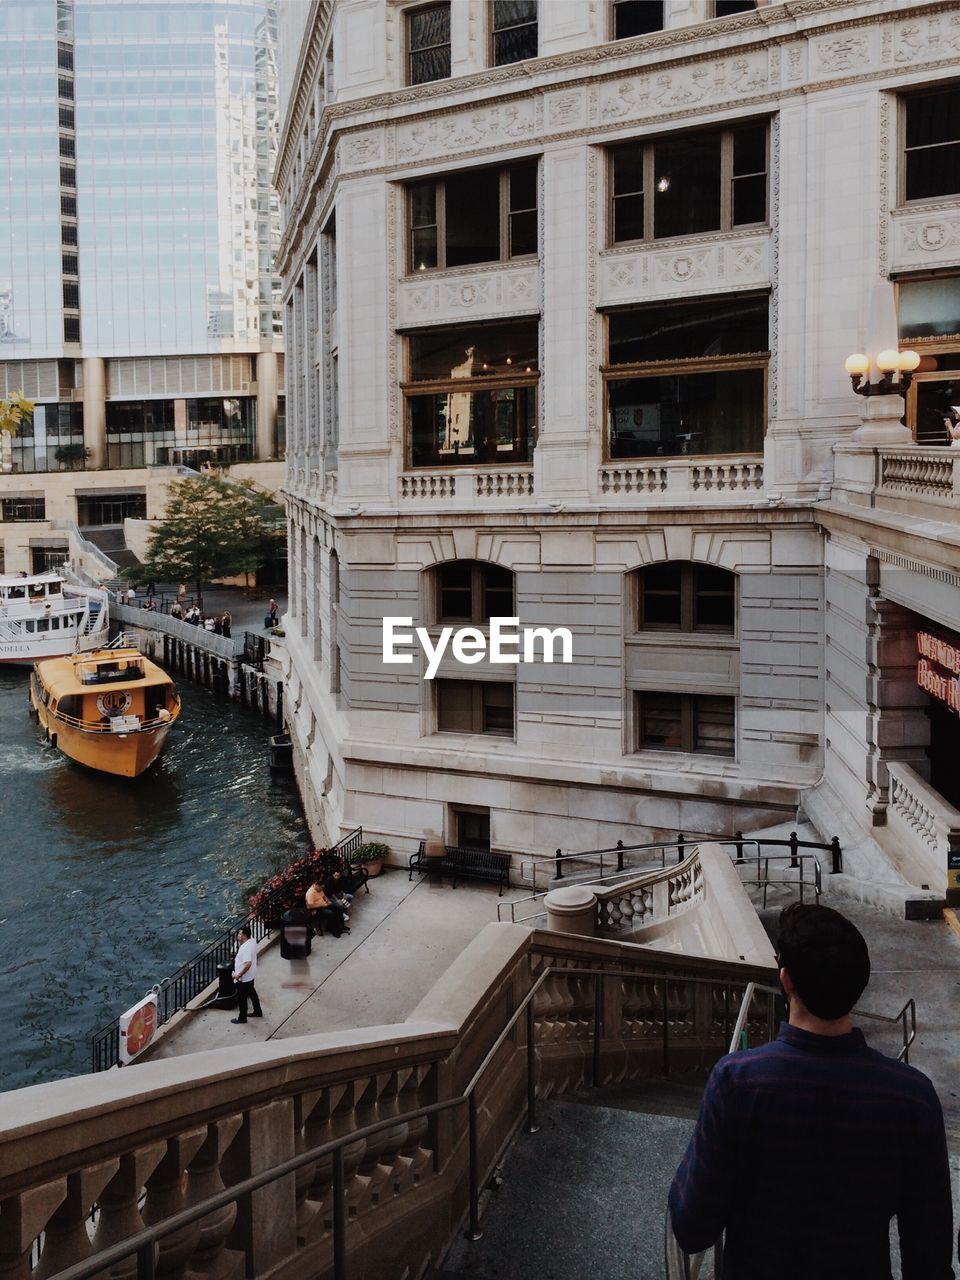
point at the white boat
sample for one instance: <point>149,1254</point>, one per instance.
<point>44,616</point>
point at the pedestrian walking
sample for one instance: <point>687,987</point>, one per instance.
<point>817,1129</point>
<point>273,615</point>
<point>244,975</point>
<point>226,622</point>
<point>151,589</point>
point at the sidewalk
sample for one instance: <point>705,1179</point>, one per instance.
<point>402,938</point>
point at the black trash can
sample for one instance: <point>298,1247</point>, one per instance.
<point>226,987</point>
<point>295,934</point>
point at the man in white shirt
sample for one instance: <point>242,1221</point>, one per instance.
<point>244,973</point>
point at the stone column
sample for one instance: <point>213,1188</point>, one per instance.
<point>880,421</point>
<point>266,405</point>
<point>94,411</point>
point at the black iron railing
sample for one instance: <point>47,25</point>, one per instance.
<point>176,992</point>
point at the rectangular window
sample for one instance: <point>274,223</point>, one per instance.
<point>68,235</point>
<point>71,328</point>
<point>681,596</point>
<point>68,176</point>
<point>687,377</point>
<point>688,722</point>
<point>428,44</point>
<point>64,57</point>
<point>68,206</point>
<point>468,591</point>
<point>70,264</point>
<point>727,8</point>
<point>68,148</point>
<point>931,154</point>
<point>65,88</point>
<point>689,183</point>
<point>473,216</point>
<point>471,394</point>
<point>636,18</point>
<point>19,509</point>
<point>66,117</point>
<point>71,295</point>
<point>514,30</point>
<point>475,706</point>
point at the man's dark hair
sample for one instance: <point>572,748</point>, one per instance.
<point>245,930</point>
<point>826,956</point>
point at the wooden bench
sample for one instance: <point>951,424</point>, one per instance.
<point>464,864</point>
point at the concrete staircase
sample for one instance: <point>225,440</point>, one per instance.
<point>585,1198</point>
<point>109,539</point>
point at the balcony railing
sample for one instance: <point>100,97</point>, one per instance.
<point>923,821</point>
<point>467,484</point>
<point>702,479</point>
<point>921,471</point>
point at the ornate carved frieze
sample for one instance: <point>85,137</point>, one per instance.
<point>516,121</point>
<point>687,269</point>
<point>925,237</point>
<point>681,87</point>
<point>428,299</point>
<point>362,150</point>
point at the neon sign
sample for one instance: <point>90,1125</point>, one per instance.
<point>938,669</point>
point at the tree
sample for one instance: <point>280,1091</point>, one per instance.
<point>15,410</point>
<point>211,530</point>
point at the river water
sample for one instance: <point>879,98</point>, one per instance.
<point>109,884</point>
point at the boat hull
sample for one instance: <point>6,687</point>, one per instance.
<point>126,755</point>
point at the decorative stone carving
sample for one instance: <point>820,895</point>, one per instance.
<point>566,109</point>
<point>362,149</point>
<point>487,291</point>
<point>925,236</point>
<point>699,266</point>
<point>847,52</point>
<point>633,97</point>
<point>463,131</point>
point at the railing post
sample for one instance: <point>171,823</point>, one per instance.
<point>739,835</point>
<point>619,855</point>
<point>666,1032</point>
<point>680,846</point>
<point>794,841</point>
<point>559,875</point>
<point>339,1218</point>
<point>532,1126</point>
<point>837,856</point>
<point>474,1232</point>
<point>597,1020</point>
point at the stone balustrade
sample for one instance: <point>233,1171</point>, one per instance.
<point>930,472</point>
<point>467,485</point>
<point>88,1162</point>
<point>715,480</point>
<point>922,819</point>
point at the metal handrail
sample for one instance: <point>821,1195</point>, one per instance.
<point>195,975</point>
<point>143,1242</point>
<point>97,726</point>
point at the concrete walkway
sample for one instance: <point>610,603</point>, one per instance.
<point>402,938</point>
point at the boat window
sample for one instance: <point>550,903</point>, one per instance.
<point>70,706</point>
<point>37,592</point>
<point>54,589</point>
<point>16,593</point>
<point>29,624</point>
<point>43,624</point>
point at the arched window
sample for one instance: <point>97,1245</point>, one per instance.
<point>682,596</point>
<point>472,591</point>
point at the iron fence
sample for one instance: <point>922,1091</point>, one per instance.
<point>176,992</point>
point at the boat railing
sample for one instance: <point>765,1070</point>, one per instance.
<point>98,726</point>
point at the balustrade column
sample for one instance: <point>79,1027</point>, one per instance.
<point>22,1218</point>
<point>266,1225</point>
<point>66,1239</point>
<point>211,1258</point>
<point>119,1216</point>
<point>166,1195</point>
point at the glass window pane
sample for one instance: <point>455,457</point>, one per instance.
<point>713,726</point>
<point>660,721</point>
<point>456,598</point>
<point>523,233</point>
<point>686,197</point>
<point>660,597</point>
<point>424,249</point>
<point>497,592</point>
<point>627,218</point>
<point>497,702</point>
<point>714,600</point>
<point>423,204</point>
<point>455,706</point>
<point>933,171</point>
<point>430,64</point>
<point>933,117</point>
<point>474,351</point>
<point>696,413</point>
<point>749,149</point>
<point>523,186</point>
<point>929,308</point>
<point>636,17</point>
<point>430,27</point>
<point>675,331</point>
<point>473,217</point>
<point>749,200</point>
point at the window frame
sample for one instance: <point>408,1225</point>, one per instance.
<point>477,707</point>
<point>478,590</point>
<point>688,723</point>
<point>678,367</point>
<point>614,38</point>
<point>515,380</point>
<point>903,201</point>
<point>688,571</point>
<point>493,31</point>
<point>440,215</point>
<point>647,146</point>
<point>409,52</point>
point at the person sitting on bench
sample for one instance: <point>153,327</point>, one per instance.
<point>324,911</point>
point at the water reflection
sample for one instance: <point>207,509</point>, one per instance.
<point>108,884</point>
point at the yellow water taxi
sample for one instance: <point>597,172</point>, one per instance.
<point>110,709</point>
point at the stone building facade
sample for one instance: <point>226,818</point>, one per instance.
<point>569,290</point>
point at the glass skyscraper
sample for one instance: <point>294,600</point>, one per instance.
<point>138,228</point>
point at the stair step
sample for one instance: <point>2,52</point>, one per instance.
<point>652,1097</point>
<point>595,1179</point>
